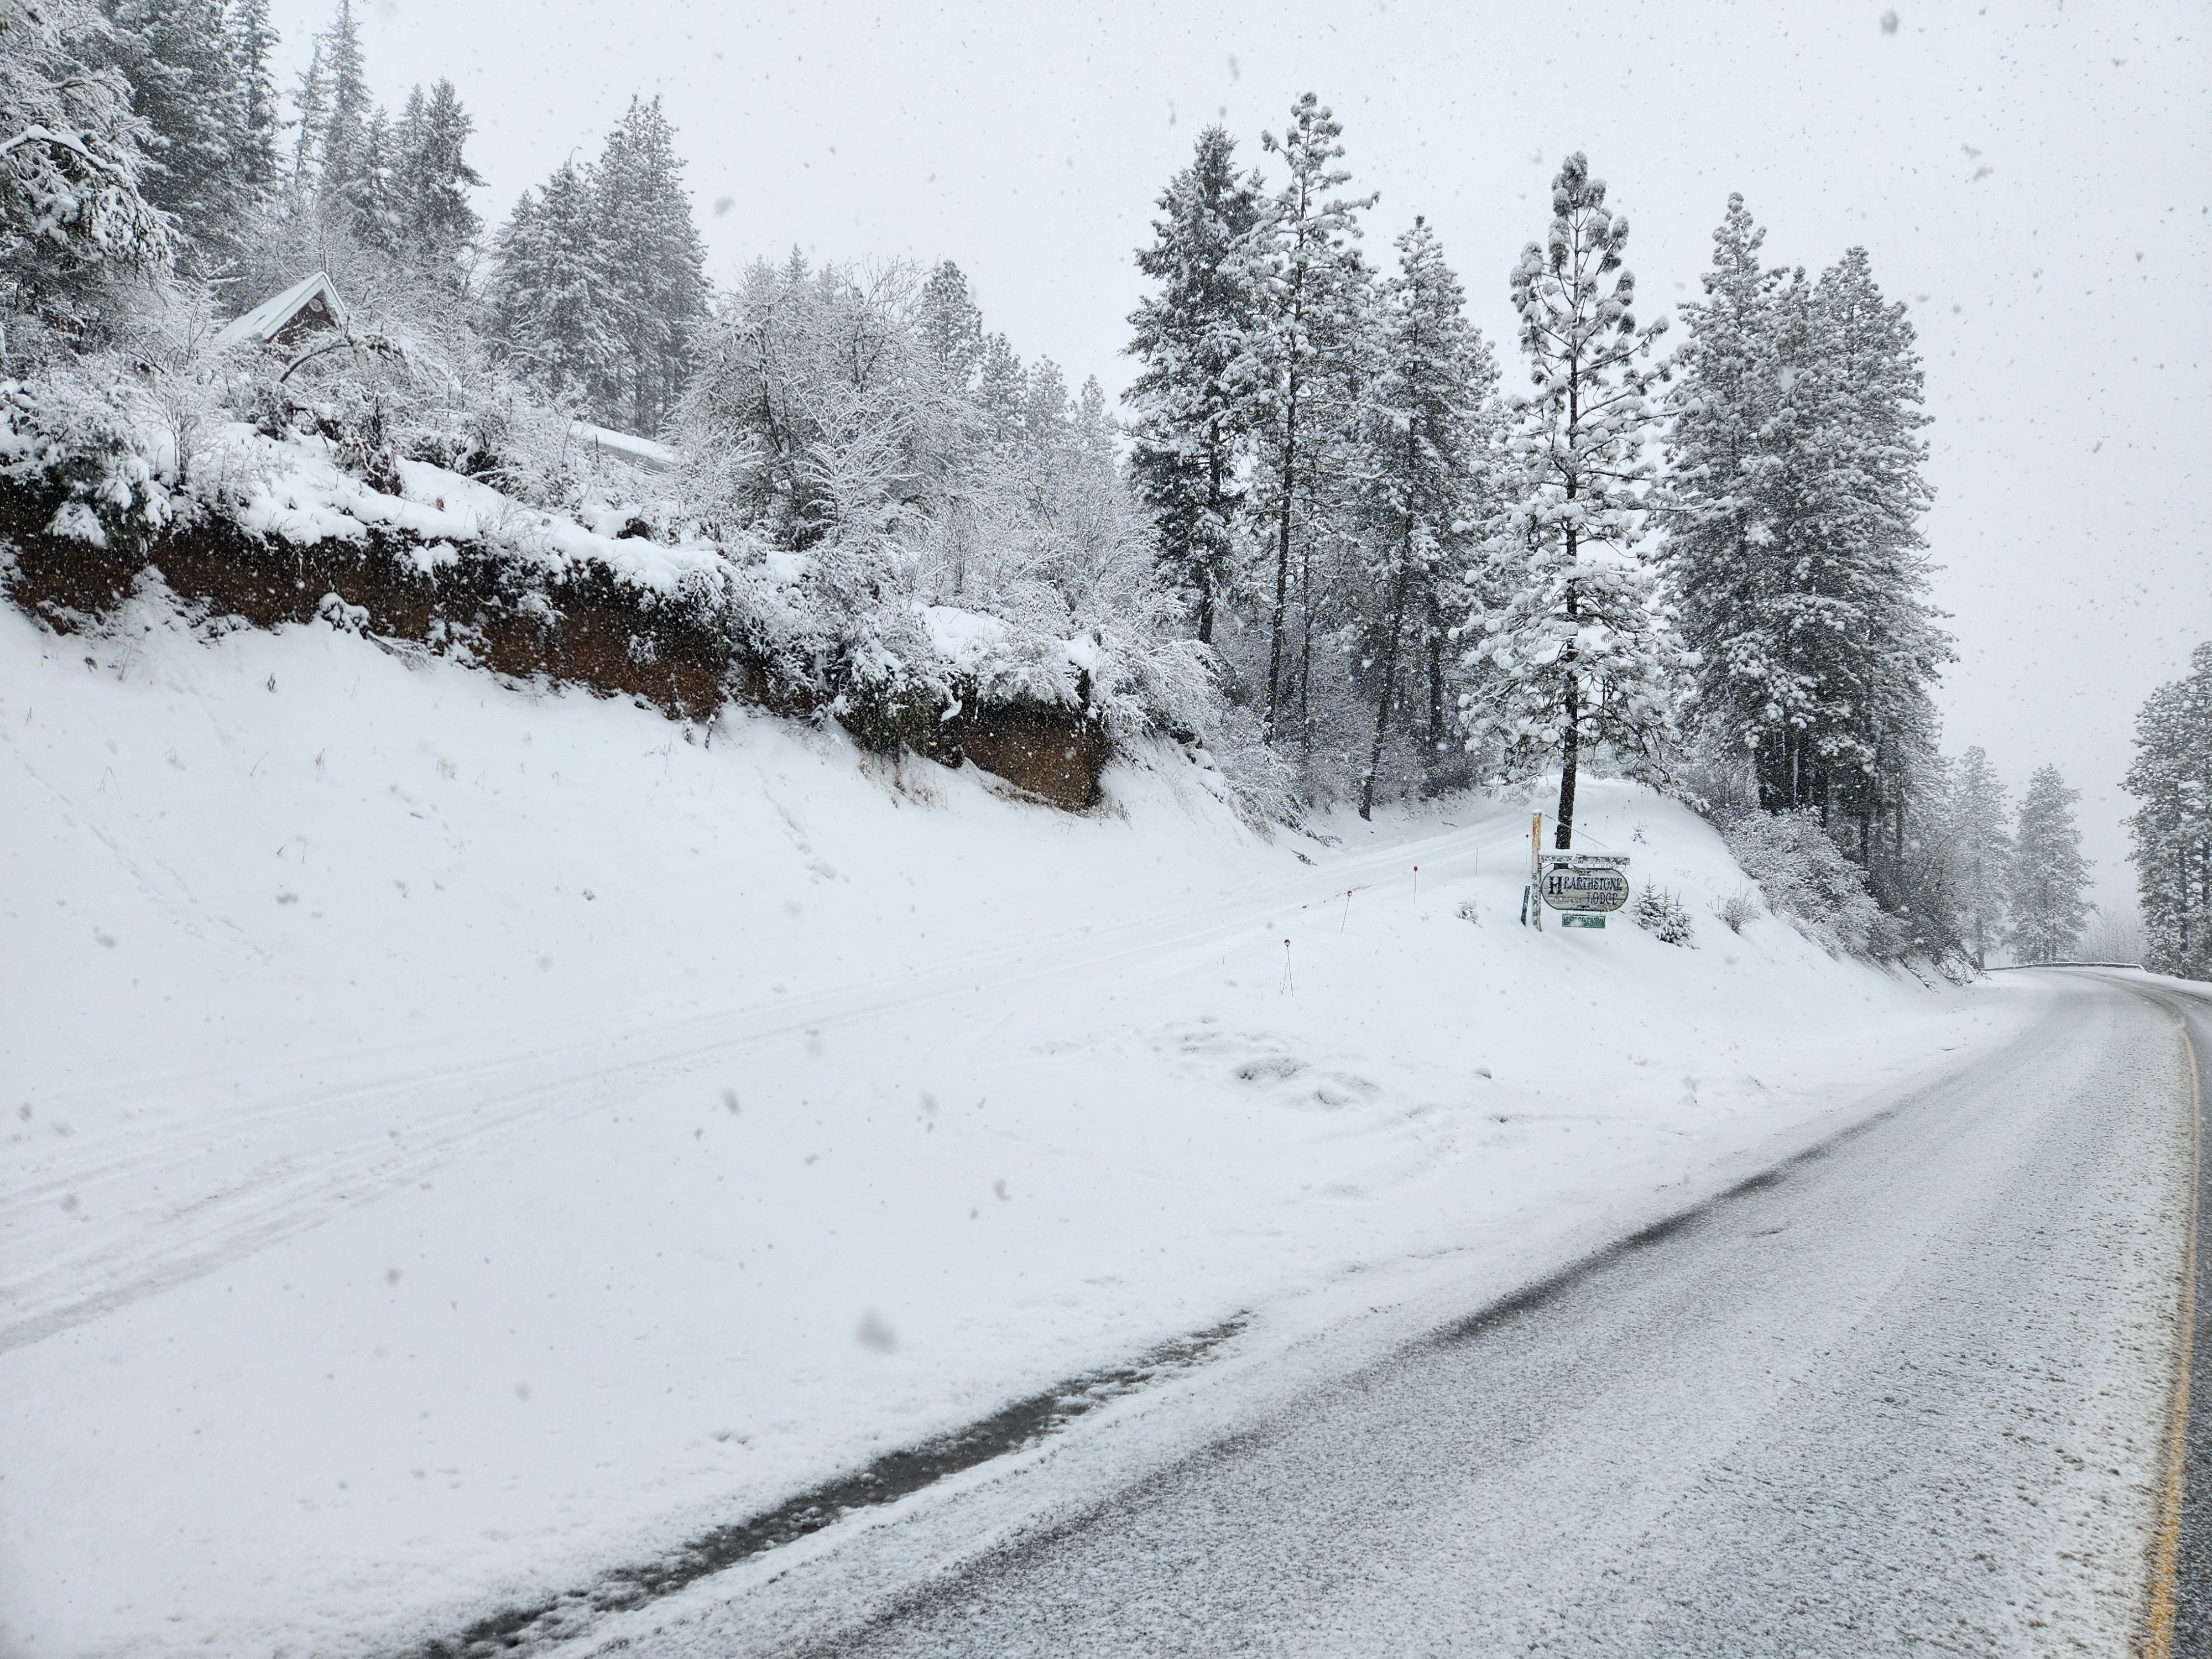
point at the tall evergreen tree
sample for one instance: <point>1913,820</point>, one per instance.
<point>1723,565</point>
<point>433,179</point>
<point>654,270</point>
<point>252,41</point>
<point>2048,872</point>
<point>547,299</point>
<point>1575,651</point>
<point>1983,851</point>
<point>1859,610</point>
<point>340,137</point>
<point>1193,399</point>
<point>374,210</point>
<point>193,94</point>
<point>1314,306</point>
<point>1001,392</point>
<point>1793,503</point>
<point>2171,829</point>
<point>311,98</point>
<point>952,324</point>
<point>1425,456</point>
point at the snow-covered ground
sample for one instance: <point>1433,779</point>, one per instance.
<point>459,1139</point>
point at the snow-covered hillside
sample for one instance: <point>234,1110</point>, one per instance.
<point>458,1138</point>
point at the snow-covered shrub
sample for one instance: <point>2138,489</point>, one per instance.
<point>1739,911</point>
<point>1663,915</point>
<point>74,439</point>
<point>1264,780</point>
<point>1467,912</point>
<point>1805,878</point>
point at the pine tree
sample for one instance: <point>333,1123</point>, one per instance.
<point>1858,608</point>
<point>2048,872</point>
<point>72,207</point>
<point>432,178</point>
<point>1001,390</point>
<point>1723,565</point>
<point>654,269</point>
<point>1047,419</point>
<point>374,207</point>
<point>1434,376</point>
<point>252,41</point>
<point>1982,858</point>
<point>341,136</point>
<point>310,97</point>
<point>192,95</point>
<point>2171,829</point>
<point>1314,300</point>
<point>548,301</point>
<point>1575,651</point>
<point>1193,399</point>
<point>1792,508</point>
<point>952,325</point>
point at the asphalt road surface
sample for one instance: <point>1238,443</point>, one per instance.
<point>1913,1395</point>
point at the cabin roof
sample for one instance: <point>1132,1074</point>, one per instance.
<point>269,319</point>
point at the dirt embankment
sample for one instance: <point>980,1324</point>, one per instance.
<point>685,653</point>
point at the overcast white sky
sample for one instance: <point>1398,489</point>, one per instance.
<point>2032,177</point>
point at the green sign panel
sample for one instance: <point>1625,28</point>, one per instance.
<point>1570,918</point>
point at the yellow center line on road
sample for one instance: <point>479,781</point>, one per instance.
<point>2158,1640</point>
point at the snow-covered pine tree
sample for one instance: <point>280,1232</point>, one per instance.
<point>1723,567</point>
<point>432,178</point>
<point>191,92</point>
<point>341,133</point>
<point>374,208</point>
<point>547,301</point>
<point>2048,872</point>
<point>2171,829</point>
<point>311,99</point>
<point>1047,418</point>
<point>71,206</point>
<point>1982,852</point>
<point>1315,301</point>
<point>252,41</point>
<point>510,302</point>
<point>1425,458</point>
<point>1858,608</point>
<point>654,269</point>
<point>1574,651</point>
<point>1193,399</point>
<point>1001,392</point>
<point>1925,870</point>
<point>952,324</point>
<point>1792,505</point>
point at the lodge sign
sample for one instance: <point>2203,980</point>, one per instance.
<point>1571,887</point>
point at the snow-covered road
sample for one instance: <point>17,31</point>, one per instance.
<point>1910,1394</point>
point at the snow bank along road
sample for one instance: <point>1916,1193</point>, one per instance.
<point>1911,1391</point>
